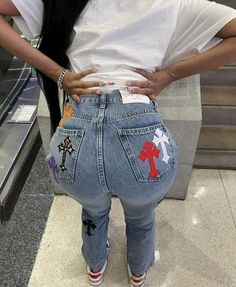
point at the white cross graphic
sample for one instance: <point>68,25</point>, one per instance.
<point>161,138</point>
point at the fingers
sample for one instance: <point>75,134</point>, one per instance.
<point>85,88</point>
<point>75,97</point>
<point>86,85</point>
<point>77,92</point>
<point>141,87</point>
<point>139,84</point>
<point>143,91</point>
<point>73,76</point>
<point>85,73</point>
<point>76,87</point>
<point>80,91</point>
<point>145,74</point>
<point>90,84</point>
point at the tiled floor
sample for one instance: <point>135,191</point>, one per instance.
<point>196,239</point>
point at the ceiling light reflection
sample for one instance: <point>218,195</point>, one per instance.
<point>201,191</point>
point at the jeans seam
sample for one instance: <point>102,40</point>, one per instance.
<point>100,156</point>
<point>130,115</point>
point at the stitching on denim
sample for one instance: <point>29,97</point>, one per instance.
<point>143,130</point>
<point>88,118</point>
<point>85,118</point>
<point>126,145</point>
<point>161,176</point>
<point>75,132</point>
<point>130,115</point>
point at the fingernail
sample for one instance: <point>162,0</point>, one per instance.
<point>109,83</point>
<point>99,92</point>
<point>131,90</point>
<point>78,101</point>
<point>102,84</point>
<point>95,68</point>
<point>128,83</point>
<point>132,69</point>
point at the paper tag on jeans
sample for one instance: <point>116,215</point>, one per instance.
<point>133,98</point>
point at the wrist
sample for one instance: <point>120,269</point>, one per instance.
<point>61,78</point>
<point>172,75</point>
<point>54,74</point>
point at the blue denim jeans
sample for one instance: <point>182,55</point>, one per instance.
<point>104,148</point>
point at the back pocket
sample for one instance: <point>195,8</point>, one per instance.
<point>64,150</point>
<point>150,150</point>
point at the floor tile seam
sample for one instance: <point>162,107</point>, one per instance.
<point>40,180</point>
<point>36,195</point>
<point>226,194</point>
<point>207,186</point>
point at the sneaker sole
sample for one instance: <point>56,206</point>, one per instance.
<point>104,267</point>
<point>130,274</point>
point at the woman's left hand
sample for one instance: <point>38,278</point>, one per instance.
<point>154,84</point>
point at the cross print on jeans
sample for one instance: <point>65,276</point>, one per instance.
<point>150,151</point>
<point>161,139</point>
<point>53,166</point>
<point>90,225</point>
<point>66,148</point>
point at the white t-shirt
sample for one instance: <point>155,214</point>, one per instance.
<point>119,35</point>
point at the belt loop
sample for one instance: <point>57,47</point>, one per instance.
<point>102,101</point>
<point>155,105</point>
<point>102,105</point>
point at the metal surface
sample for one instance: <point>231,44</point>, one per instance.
<point>13,138</point>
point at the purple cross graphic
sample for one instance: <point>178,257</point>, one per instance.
<point>53,166</point>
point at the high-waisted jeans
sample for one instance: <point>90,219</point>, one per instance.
<point>103,147</point>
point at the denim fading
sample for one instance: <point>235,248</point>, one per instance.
<point>107,138</point>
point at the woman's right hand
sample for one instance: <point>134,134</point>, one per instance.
<point>74,87</point>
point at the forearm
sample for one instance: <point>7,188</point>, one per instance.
<point>15,45</point>
<point>222,54</point>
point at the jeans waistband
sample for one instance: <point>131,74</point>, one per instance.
<point>94,99</point>
<point>101,101</point>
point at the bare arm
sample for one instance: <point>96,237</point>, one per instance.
<point>222,54</point>
<point>14,44</point>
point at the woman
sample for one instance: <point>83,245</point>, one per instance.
<point>112,58</point>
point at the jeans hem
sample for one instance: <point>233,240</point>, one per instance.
<point>137,271</point>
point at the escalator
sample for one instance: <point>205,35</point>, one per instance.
<point>19,133</point>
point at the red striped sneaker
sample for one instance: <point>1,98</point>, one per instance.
<point>136,281</point>
<point>96,278</point>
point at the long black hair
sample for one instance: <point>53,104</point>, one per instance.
<point>58,21</point>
